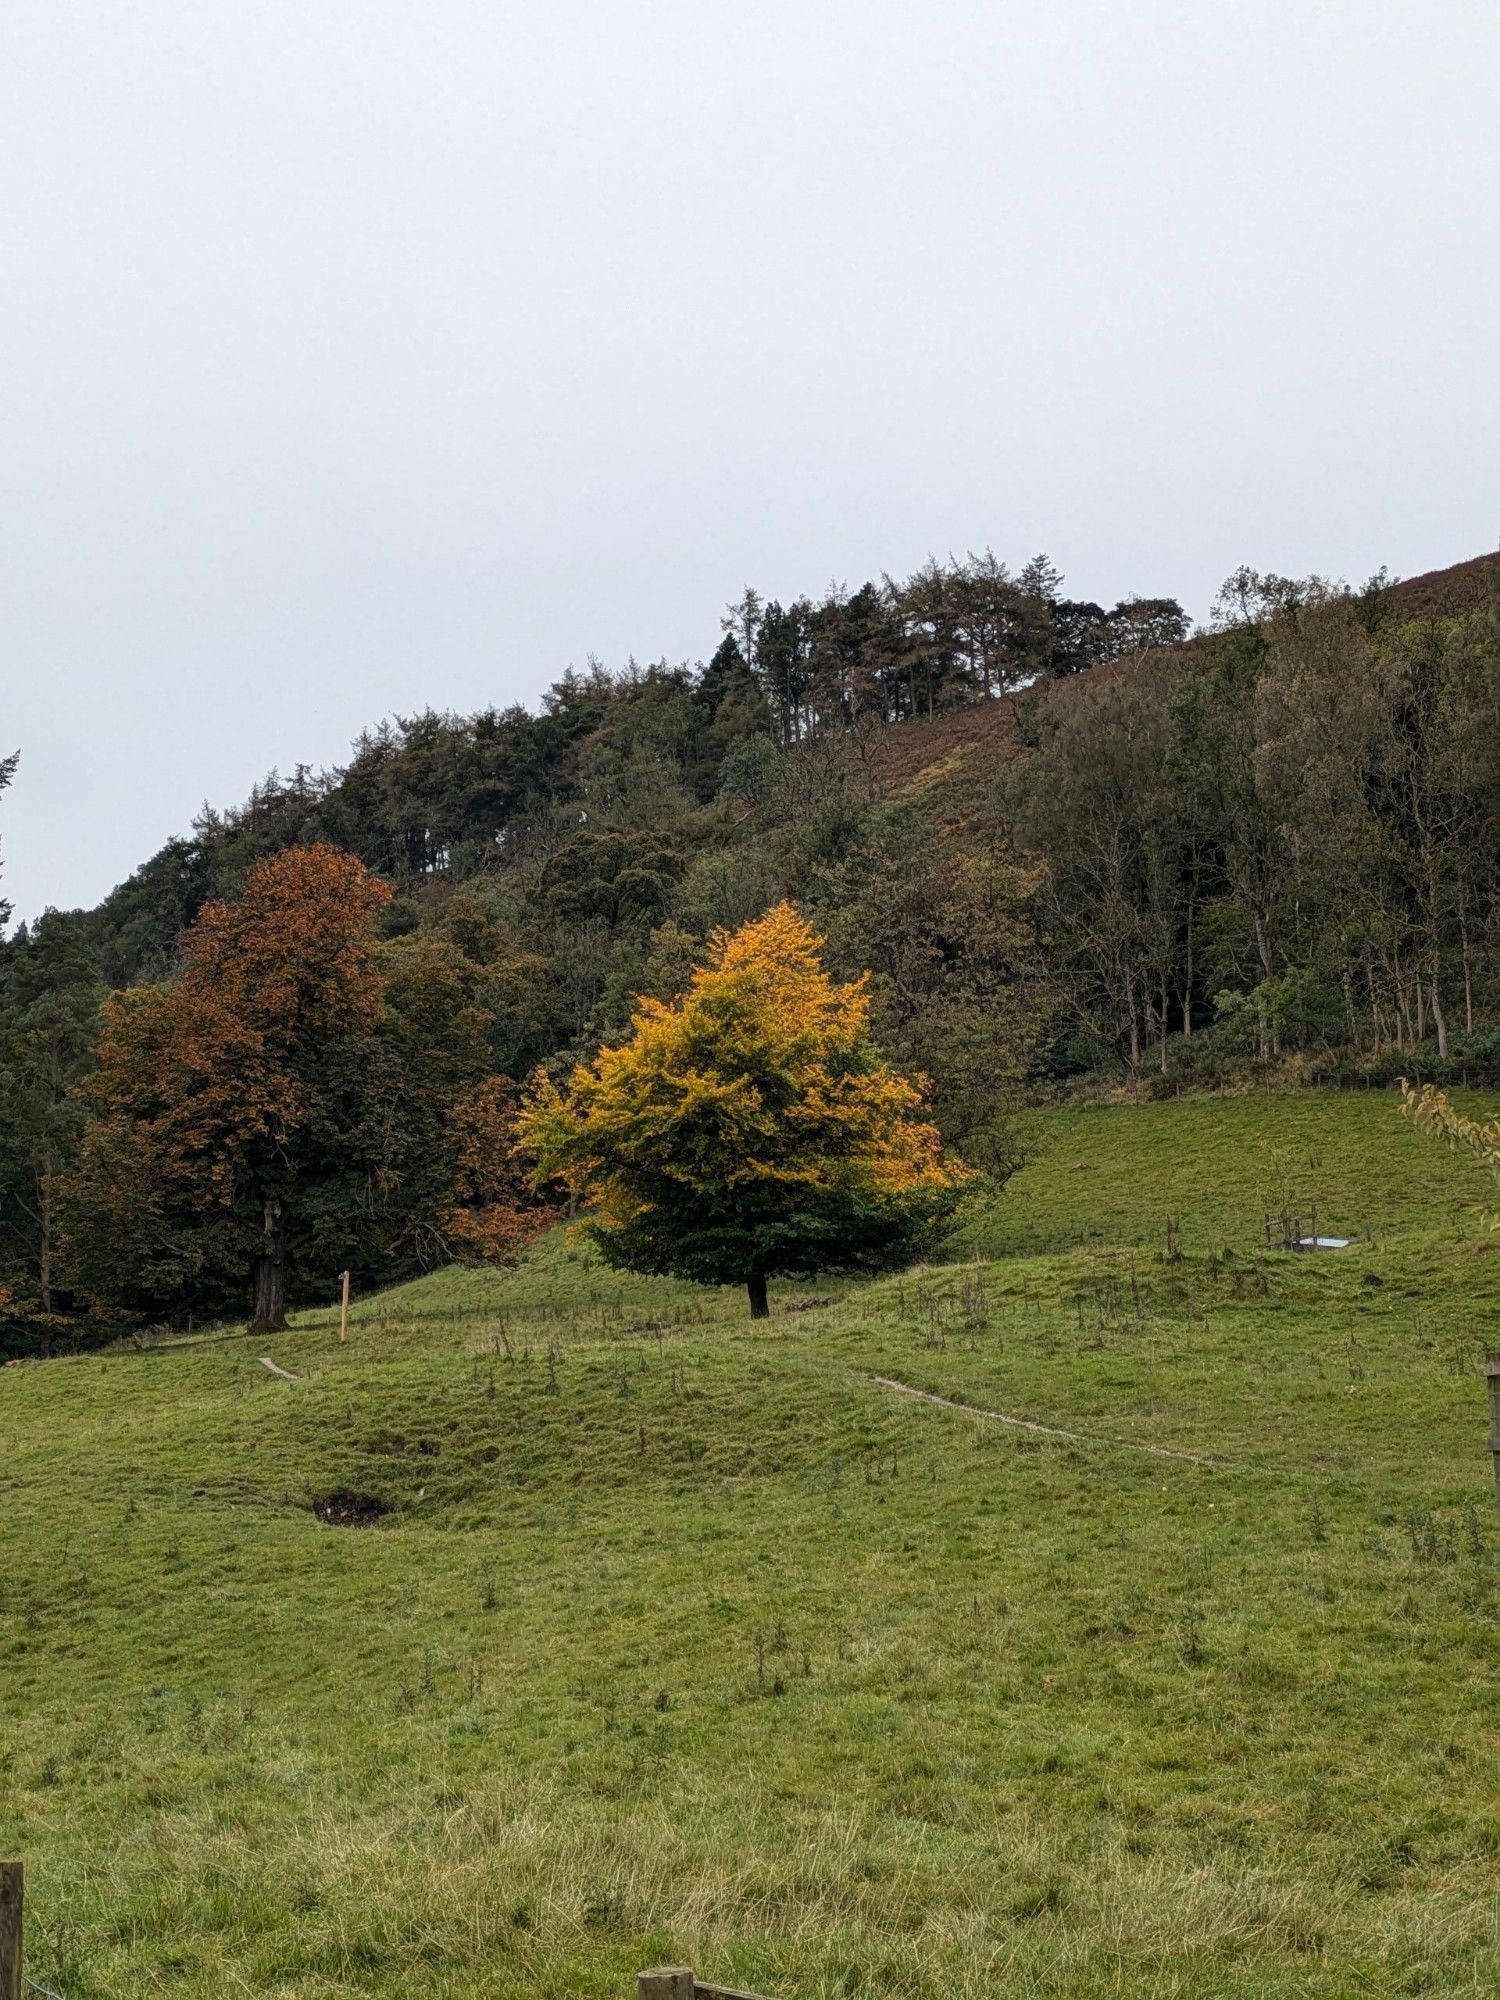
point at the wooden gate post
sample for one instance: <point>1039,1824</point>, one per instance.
<point>1489,1367</point>
<point>667,1982</point>
<point>12,1897</point>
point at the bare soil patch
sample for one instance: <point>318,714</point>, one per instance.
<point>350,1510</point>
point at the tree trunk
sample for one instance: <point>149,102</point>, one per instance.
<point>1263,947</point>
<point>1269,1024</point>
<point>1398,1004</point>
<point>268,1314</point>
<point>1187,982</point>
<point>1165,1001</point>
<point>1439,1021</point>
<point>755,1285</point>
<point>44,1243</point>
<point>1377,1022</point>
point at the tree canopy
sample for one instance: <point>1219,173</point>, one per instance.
<point>7,772</point>
<point>299,1097</point>
<point>749,1129</point>
<point>1068,850</point>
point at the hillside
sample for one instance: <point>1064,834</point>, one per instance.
<point>950,756</point>
<point>1439,593</point>
<point>1071,854</point>
<point>681,1638</point>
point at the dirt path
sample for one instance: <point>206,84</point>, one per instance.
<point>1053,1431</point>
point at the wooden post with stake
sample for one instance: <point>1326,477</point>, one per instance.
<point>344,1309</point>
<point>676,1982</point>
<point>12,1899</point>
<point>1490,1367</point>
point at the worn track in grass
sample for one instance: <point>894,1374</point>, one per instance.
<point>1071,1437</point>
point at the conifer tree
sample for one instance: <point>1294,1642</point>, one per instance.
<point>750,1129</point>
<point>7,772</point>
<point>50,994</point>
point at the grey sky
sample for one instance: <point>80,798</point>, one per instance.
<point>357,357</point>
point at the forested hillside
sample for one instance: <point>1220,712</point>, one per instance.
<point>1071,846</point>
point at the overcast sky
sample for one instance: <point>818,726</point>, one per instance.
<point>361,357</point>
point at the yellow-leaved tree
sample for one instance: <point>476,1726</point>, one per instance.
<point>1434,1112</point>
<point>749,1129</point>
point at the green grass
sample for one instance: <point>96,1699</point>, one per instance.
<point>683,1639</point>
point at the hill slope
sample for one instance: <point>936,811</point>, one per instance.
<point>683,1637</point>
<point>949,756</point>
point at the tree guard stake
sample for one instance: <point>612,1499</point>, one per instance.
<point>12,1897</point>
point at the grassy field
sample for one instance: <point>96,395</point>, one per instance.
<point>685,1638</point>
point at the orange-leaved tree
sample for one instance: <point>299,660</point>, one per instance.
<point>492,1213</point>
<point>749,1129</point>
<point>210,1091</point>
<point>304,1098</point>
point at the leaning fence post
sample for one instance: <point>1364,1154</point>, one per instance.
<point>1490,1366</point>
<point>12,1896</point>
<point>666,1982</point>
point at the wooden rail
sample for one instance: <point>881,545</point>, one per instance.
<point>676,1982</point>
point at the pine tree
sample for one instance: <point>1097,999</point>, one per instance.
<point>7,772</point>
<point>50,993</point>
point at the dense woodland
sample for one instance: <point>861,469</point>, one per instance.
<point>1264,853</point>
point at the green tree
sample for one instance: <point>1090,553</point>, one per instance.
<point>616,878</point>
<point>1093,802</point>
<point>943,926</point>
<point>7,772</point>
<point>50,994</point>
<point>730,709</point>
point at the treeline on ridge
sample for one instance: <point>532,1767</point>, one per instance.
<point>1271,850</point>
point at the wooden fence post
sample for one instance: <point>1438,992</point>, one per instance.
<point>344,1310</point>
<point>667,1982</point>
<point>1489,1367</point>
<point>12,1897</point>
